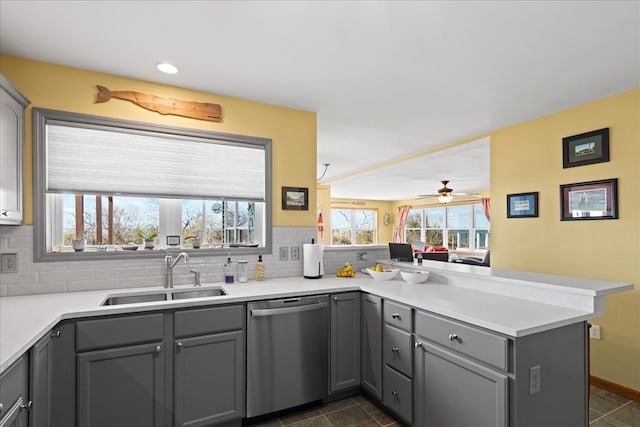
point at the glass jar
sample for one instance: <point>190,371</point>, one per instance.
<point>242,267</point>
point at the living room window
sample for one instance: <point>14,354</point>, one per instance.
<point>456,227</point>
<point>110,182</point>
<point>353,227</point>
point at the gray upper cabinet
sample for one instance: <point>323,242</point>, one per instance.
<point>40,382</point>
<point>345,341</point>
<point>371,349</point>
<point>12,106</point>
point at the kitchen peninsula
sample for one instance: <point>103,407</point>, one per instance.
<point>512,344</point>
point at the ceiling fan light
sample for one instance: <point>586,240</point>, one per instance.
<point>445,198</point>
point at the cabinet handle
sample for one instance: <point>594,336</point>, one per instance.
<point>417,344</point>
<point>56,334</point>
<point>395,349</point>
<point>1,408</point>
<point>453,337</point>
<point>158,348</point>
<point>179,346</point>
<point>336,299</point>
<point>395,394</point>
<point>4,213</point>
<point>27,406</point>
<point>395,316</point>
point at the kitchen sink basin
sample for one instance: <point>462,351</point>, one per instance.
<point>135,299</point>
<point>200,293</point>
<point>175,294</point>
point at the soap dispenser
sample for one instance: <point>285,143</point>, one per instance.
<point>260,270</point>
<point>228,271</point>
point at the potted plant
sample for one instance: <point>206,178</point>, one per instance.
<point>79,243</point>
<point>147,238</point>
<point>196,241</point>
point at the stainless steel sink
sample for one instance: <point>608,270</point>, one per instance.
<point>199,293</point>
<point>175,294</point>
<point>135,299</point>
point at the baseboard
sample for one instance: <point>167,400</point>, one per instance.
<point>618,389</point>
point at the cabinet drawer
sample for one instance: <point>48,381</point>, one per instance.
<point>208,320</point>
<point>397,349</point>
<point>119,331</point>
<point>13,385</point>
<point>484,346</point>
<point>397,315</point>
<point>398,393</point>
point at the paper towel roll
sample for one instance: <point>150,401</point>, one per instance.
<point>313,263</point>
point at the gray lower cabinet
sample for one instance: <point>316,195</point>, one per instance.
<point>40,382</point>
<point>451,390</point>
<point>208,379</point>
<point>13,395</point>
<point>122,386</point>
<point>371,348</point>
<point>345,342</point>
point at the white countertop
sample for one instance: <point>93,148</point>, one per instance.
<point>25,319</point>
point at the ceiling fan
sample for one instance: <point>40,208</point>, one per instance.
<point>446,194</point>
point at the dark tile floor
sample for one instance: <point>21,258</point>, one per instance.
<point>605,410</point>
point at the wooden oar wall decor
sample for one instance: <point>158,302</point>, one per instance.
<point>176,107</point>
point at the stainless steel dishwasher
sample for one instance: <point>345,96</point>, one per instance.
<point>287,358</point>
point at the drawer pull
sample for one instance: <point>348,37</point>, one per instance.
<point>395,394</point>
<point>395,349</point>
<point>395,316</point>
<point>336,299</point>
<point>1,408</point>
<point>179,346</point>
<point>27,406</point>
<point>453,337</point>
<point>417,344</point>
<point>158,348</point>
<point>56,334</point>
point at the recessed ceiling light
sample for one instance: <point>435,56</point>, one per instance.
<point>165,67</point>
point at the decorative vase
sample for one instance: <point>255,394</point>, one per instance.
<point>148,243</point>
<point>78,244</point>
<point>196,242</point>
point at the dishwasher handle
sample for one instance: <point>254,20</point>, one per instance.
<point>288,310</point>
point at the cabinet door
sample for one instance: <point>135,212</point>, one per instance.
<point>40,382</point>
<point>15,417</point>
<point>12,105</point>
<point>121,386</point>
<point>345,341</point>
<point>209,379</point>
<point>371,349</point>
<point>453,391</point>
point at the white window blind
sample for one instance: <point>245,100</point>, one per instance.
<point>89,160</point>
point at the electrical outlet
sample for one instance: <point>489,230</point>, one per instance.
<point>9,263</point>
<point>594,332</point>
<point>362,256</point>
<point>295,253</point>
<point>534,379</point>
<point>284,253</point>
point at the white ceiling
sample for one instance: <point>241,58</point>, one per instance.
<point>387,78</point>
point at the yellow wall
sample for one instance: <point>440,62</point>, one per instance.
<point>528,157</point>
<point>293,132</point>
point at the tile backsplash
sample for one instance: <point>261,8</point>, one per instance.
<point>50,277</point>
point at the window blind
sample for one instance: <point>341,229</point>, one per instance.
<point>90,160</point>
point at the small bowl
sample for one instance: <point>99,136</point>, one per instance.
<point>384,275</point>
<point>415,276</point>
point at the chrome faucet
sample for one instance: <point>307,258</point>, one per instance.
<point>169,263</point>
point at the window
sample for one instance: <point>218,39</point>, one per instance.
<point>456,227</point>
<point>106,180</point>
<point>353,227</point>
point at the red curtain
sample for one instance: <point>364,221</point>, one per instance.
<point>486,205</point>
<point>401,221</point>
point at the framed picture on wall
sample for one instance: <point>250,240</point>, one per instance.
<point>295,198</point>
<point>586,148</point>
<point>522,205</point>
<point>589,200</point>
